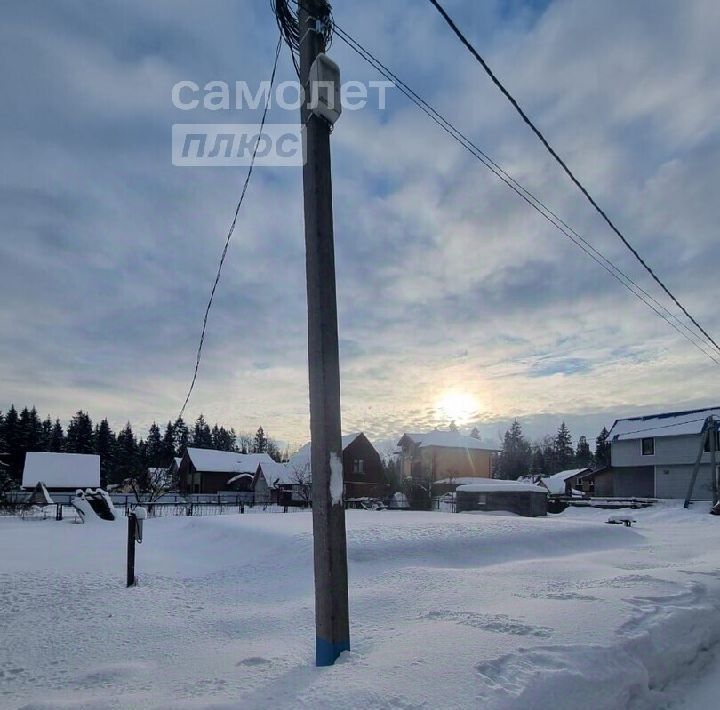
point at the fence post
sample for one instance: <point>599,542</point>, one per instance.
<point>132,522</point>
<point>58,512</point>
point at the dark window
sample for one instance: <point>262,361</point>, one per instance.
<point>196,488</point>
<point>648,446</point>
<point>358,466</point>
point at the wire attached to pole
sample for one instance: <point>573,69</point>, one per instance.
<point>231,230</point>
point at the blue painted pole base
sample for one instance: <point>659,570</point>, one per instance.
<point>326,652</point>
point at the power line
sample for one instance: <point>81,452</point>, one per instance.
<point>289,26</point>
<point>528,197</point>
<point>564,166</point>
<point>232,229</point>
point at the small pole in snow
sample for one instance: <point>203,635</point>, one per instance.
<point>132,522</point>
<point>135,530</point>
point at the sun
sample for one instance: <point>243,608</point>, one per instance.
<point>461,407</point>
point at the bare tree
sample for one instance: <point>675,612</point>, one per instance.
<point>301,478</point>
<point>149,484</point>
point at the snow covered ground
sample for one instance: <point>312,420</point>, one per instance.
<point>447,611</point>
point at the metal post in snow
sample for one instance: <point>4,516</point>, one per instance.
<point>132,523</point>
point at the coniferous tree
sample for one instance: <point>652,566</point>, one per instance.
<point>549,456</point>
<point>13,444</point>
<point>222,439</point>
<point>46,429</point>
<point>167,446</point>
<point>30,430</point>
<point>80,434</point>
<point>127,455</point>
<point>583,455</point>
<point>260,442</point>
<point>3,445</point>
<point>104,445</point>
<point>202,436</point>
<point>181,436</point>
<point>57,438</point>
<point>475,433</point>
<point>564,453</point>
<point>515,457</point>
<point>153,447</point>
<point>602,448</point>
<point>538,466</point>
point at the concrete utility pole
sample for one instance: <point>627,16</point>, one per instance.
<point>332,626</point>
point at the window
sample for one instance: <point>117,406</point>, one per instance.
<point>358,466</point>
<point>648,446</point>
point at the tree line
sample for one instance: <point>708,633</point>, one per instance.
<point>123,455</point>
<point>520,457</point>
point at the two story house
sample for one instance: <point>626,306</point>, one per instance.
<point>363,473</point>
<point>444,456</point>
<point>653,456</point>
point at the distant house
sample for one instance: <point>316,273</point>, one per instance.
<point>564,482</point>
<point>60,471</point>
<point>210,471</point>
<point>653,456</point>
<point>444,456</point>
<point>363,474</point>
<point>278,483</point>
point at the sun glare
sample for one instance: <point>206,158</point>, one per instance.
<point>460,407</point>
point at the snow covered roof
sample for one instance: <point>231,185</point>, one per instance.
<point>556,483</point>
<point>275,473</point>
<point>302,458</point>
<point>658,425</point>
<point>226,461</point>
<point>448,439</point>
<point>59,470</point>
<point>461,480</point>
<point>494,485</point>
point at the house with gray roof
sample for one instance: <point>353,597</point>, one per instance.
<point>653,456</point>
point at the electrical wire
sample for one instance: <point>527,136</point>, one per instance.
<point>289,25</point>
<point>528,197</point>
<point>231,231</point>
<point>564,166</point>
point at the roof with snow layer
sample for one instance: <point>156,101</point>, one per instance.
<point>448,439</point>
<point>60,470</point>
<point>277,473</point>
<point>302,458</point>
<point>659,425</point>
<point>226,461</point>
<point>496,485</point>
<point>556,483</point>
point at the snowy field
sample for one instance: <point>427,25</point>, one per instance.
<point>447,611</point>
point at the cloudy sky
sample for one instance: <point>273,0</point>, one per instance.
<point>455,299</point>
